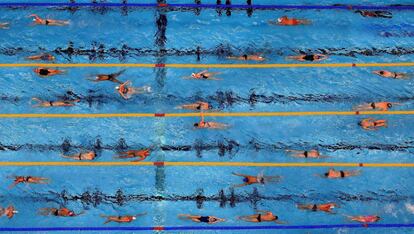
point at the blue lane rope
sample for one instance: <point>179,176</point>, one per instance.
<point>183,228</point>
<point>312,7</point>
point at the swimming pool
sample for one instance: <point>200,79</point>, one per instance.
<point>191,35</point>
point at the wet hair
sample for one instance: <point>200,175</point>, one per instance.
<point>276,217</point>
<point>326,174</point>
<point>389,105</point>
<point>196,125</point>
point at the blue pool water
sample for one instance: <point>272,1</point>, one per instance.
<point>113,35</point>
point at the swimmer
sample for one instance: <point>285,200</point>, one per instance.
<point>305,154</point>
<point>28,180</point>
<point>285,21</point>
<point>44,57</point>
<point>380,106</point>
<point>108,77</point>
<point>44,72</point>
<point>91,155</point>
<point>4,25</point>
<point>327,207</point>
<point>259,179</point>
<point>392,75</point>
<point>204,75</point>
<point>375,14</point>
<point>247,57</point>
<point>364,219</point>
<point>10,211</point>
<point>372,124</point>
<point>140,154</point>
<point>50,22</point>
<point>261,216</point>
<point>126,92</point>
<point>121,219</point>
<point>211,125</point>
<point>61,212</point>
<point>196,106</point>
<point>334,174</point>
<point>41,103</point>
<point>309,57</point>
<point>201,219</point>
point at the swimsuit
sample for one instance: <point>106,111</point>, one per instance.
<point>305,154</point>
<point>342,174</point>
<point>308,57</point>
<point>373,105</point>
<point>44,72</point>
<point>51,103</point>
<point>47,22</point>
<point>259,218</point>
<point>314,207</point>
<point>204,219</point>
<point>55,212</point>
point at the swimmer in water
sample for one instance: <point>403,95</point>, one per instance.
<point>375,14</point>
<point>45,72</point>
<point>372,124</point>
<point>41,103</point>
<point>285,21</point>
<point>109,77</point>
<point>126,91</point>
<point>196,106</point>
<point>91,155</point>
<point>28,180</point>
<point>261,216</point>
<point>4,25</point>
<point>204,75</point>
<point>10,211</point>
<point>259,179</point>
<point>392,75</point>
<point>305,154</point>
<point>309,57</point>
<point>140,154</point>
<point>334,174</point>
<point>211,125</point>
<point>61,212</point>
<point>49,22</point>
<point>379,106</point>
<point>247,57</point>
<point>364,219</point>
<point>327,207</point>
<point>44,57</point>
<point>121,219</point>
<point>201,219</point>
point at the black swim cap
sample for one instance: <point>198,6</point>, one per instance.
<point>389,105</point>
<point>326,174</point>
<point>196,125</point>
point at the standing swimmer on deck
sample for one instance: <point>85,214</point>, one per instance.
<point>285,21</point>
<point>121,219</point>
<point>372,124</point>
<point>305,154</point>
<point>61,212</point>
<point>327,207</point>
<point>28,180</point>
<point>45,72</point>
<point>41,103</point>
<point>380,106</point>
<point>50,22</point>
<point>201,219</point>
<point>126,92</point>
<point>91,155</point>
<point>308,57</point>
<point>262,216</point>
<point>140,154</point>
<point>259,179</point>
<point>392,75</point>
<point>334,174</point>
<point>212,125</point>
<point>109,77</point>
<point>10,211</point>
<point>247,57</point>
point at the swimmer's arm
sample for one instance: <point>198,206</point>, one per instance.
<point>141,214</point>
<point>14,184</point>
<point>237,174</point>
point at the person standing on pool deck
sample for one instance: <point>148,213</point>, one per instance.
<point>109,77</point>
<point>308,57</point>
<point>201,219</point>
<point>140,154</point>
<point>327,207</point>
<point>372,124</point>
<point>28,180</point>
<point>305,154</point>
<point>91,155</point>
<point>10,211</point>
<point>247,57</point>
<point>61,212</point>
<point>44,57</point>
<point>41,103</point>
<point>49,22</point>
<point>285,21</point>
<point>379,106</point>
<point>195,106</point>
<point>212,125</point>
<point>334,174</point>
<point>261,216</point>
<point>4,25</point>
<point>45,72</point>
<point>121,219</point>
<point>392,75</point>
<point>126,92</point>
<point>259,179</point>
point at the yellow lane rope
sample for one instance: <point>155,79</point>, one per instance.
<point>151,65</point>
<point>206,164</point>
<point>211,114</point>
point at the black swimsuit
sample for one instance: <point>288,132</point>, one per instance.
<point>204,219</point>
<point>314,207</point>
<point>309,57</point>
<point>259,218</point>
<point>44,72</point>
<point>56,212</point>
<point>342,174</point>
<point>47,22</point>
<point>373,105</point>
<point>305,154</point>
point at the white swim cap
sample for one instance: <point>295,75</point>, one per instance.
<point>279,20</point>
<point>193,74</point>
<point>15,211</point>
<point>134,218</point>
<point>148,88</point>
<point>117,87</point>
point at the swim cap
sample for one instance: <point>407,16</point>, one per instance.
<point>193,74</point>
<point>245,180</point>
<point>279,20</point>
<point>134,218</point>
<point>117,87</point>
<point>71,213</point>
